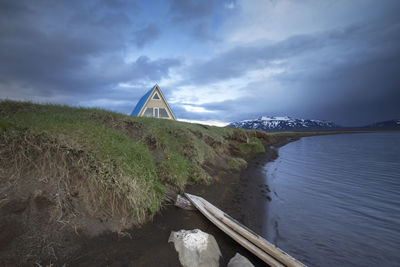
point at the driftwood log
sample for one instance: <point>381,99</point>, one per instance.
<point>260,247</point>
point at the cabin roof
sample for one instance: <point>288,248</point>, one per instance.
<point>142,101</point>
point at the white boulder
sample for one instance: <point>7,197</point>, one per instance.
<point>196,248</point>
<point>239,261</point>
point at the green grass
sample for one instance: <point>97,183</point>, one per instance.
<point>253,145</point>
<point>120,166</point>
<point>129,163</point>
<point>237,163</point>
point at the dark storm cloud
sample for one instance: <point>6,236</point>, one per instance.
<point>73,48</point>
<point>197,15</point>
<point>362,43</point>
<point>96,53</point>
<point>187,10</point>
<point>362,92</point>
<point>146,35</point>
<point>351,70</point>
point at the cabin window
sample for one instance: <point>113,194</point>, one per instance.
<point>163,113</point>
<point>148,112</point>
<point>156,96</point>
<point>157,113</point>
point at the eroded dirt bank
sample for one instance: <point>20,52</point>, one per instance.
<point>88,187</point>
<point>27,236</point>
<point>69,176</point>
<point>237,193</point>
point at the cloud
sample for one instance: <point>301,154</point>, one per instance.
<point>146,35</point>
<point>191,108</point>
<point>72,52</point>
<point>277,20</point>
<point>242,59</point>
<point>197,16</point>
<point>230,5</point>
<point>207,122</point>
<point>316,59</point>
<point>189,10</point>
<point>307,75</point>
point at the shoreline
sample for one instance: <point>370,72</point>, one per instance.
<point>233,193</point>
<point>81,206</point>
<point>240,194</point>
<point>253,189</point>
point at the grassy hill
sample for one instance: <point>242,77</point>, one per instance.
<point>96,170</point>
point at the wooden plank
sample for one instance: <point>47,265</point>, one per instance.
<point>253,237</point>
<point>237,237</point>
<point>244,232</point>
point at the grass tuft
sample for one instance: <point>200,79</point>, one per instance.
<point>253,145</point>
<point>237,163</point>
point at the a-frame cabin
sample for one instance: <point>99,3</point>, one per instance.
<point>153,104</point>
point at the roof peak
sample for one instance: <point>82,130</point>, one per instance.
<point>144,99</point>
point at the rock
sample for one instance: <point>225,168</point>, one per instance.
<point>183,203</point>
<point>196,248</point>
<point>239,261</point>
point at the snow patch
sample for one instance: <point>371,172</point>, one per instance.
<point>282,123</point>
<point>267,118</point>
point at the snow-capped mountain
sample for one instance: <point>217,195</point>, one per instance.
<point>271,124</point>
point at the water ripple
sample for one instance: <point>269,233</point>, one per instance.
<point>336,200</point>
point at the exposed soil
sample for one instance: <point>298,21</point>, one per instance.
<point>75,182</point>
<point>239,194</point>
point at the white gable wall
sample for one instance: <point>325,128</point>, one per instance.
<point>156,103</point>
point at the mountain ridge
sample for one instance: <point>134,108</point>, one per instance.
<point>286,123</point>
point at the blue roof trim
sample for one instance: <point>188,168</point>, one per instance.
<point>141,102</point>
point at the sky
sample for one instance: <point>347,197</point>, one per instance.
<point>216,61</point>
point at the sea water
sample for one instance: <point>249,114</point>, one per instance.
<point>335,200</point>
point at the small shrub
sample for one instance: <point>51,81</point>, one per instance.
<point>253,145</point>
<point>237,163</point>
